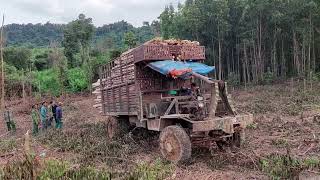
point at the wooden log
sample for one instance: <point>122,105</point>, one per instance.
<point>97,105</point>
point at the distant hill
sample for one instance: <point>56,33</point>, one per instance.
<point>40,35</point>
<point>33,35</point>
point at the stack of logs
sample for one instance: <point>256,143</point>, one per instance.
<point>160,41</point>
<point>118,78</point>
<point>97,92</point>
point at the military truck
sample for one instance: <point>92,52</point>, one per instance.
<point>164,86</point>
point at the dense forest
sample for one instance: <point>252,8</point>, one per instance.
<point>41,35</point>
<point>54,59</point>
<point>251,41</point>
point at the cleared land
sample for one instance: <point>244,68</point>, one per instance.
<point>282,143</point>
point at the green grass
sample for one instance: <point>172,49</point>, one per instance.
<point>157,170</point>
<point>286,167</point>
<point>252,126</point>
<point>7,145</point>
<point>34,168</point>
<point>280,143</point>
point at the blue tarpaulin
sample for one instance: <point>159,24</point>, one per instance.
<point>167,66</point>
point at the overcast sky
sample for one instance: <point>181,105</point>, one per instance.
<point>101,11</point>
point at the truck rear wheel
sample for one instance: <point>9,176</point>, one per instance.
<point>175,144</point>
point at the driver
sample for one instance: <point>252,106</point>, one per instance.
<point>195,89</point>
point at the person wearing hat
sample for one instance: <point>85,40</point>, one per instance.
<point>59,116</point>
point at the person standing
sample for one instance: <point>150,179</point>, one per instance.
<point>49,115</point>
<point>59,116</point>
<point>44,115</point>
<point>54,108</point>
<point>9,119</point>
<point>35,120</point>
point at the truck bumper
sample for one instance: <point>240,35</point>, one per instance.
<point>226,124</point>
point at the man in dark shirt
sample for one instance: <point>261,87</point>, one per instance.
<point>195,89</point>
<point>54,109</point>
<point>59,116</point>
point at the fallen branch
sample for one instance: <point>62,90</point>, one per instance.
<point>251,159</point>
<point>315,172</point>
<point>312,145</point>
<point>6,155</point>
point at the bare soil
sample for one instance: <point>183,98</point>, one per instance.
<point>285,123</point>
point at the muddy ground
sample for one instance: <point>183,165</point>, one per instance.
<point>283,142</point>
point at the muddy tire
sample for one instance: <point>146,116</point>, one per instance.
<point>117,126</point>
<point>175,144</point>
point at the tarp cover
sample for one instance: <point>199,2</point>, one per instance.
<point>179,68</point>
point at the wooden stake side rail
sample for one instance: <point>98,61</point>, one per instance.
<point>120,98</point>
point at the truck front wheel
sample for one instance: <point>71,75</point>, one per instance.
<point>175,144</point>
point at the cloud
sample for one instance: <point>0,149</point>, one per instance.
<point>101,11</point>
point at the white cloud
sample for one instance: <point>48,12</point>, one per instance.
<point>101,11</point>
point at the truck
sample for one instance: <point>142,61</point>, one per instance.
<point>164,86</point>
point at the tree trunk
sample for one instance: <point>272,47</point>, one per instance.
<point>309,47</point>
<point>283,61</point>
<point>238,62</point>
<point>220,63</point>
<point>23,91</point>
<point>259,65</point>
<point>244,65</point>
<point>296,59</point>
<point>2,66</point>
<point>274,54</point>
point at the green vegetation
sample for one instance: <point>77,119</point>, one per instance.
<point>287,167</point>
<point>255,41</point>
<point>56,59</point>
<point>33,35</point>
<point>281,143</point>
<point>96,154</point>
<point>157,170</point>
<point>7,145</point>
<point>249,42</point>
<point>32,167</point>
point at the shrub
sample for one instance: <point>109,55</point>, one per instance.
<point>47,82</point>
<point>7,145</point>
<point>77,80</point>
<point>287,167</point>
